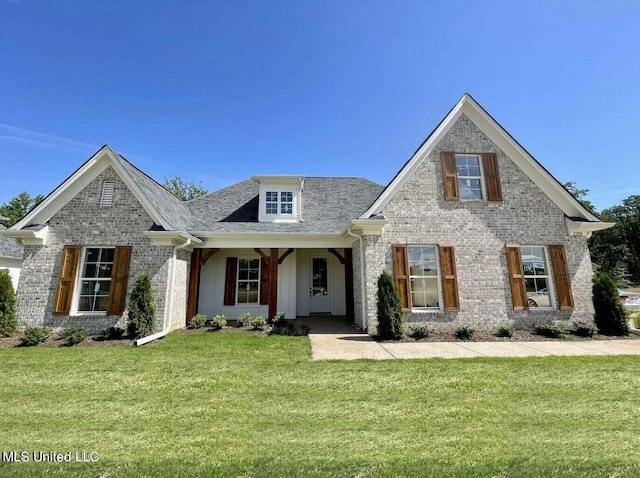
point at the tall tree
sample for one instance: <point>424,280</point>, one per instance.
<point>580,195</point>
<point>183,190</point>
<point>18,207</point>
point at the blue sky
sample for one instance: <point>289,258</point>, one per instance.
<point>217,91</point>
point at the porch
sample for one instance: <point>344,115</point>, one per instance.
<point>263,281</point>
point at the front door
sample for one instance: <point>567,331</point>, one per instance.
<point>319,300</point>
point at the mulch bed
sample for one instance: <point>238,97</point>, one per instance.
<point>54,341</point>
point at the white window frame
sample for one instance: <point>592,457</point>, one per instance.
<point>268,203</point>
<point>78,289</point>
<point>440,306</point>
<point>483,188</point>
<point>238,280</point>
<point>548,277</point>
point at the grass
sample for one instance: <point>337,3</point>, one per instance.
<point>235,405</point>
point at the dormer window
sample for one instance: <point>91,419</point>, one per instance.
<point>280,198</point>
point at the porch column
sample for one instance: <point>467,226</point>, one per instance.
<point>273,279</point>
<point>194,283</point>
<point>348,283</point>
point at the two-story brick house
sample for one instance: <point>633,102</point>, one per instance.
<point>475,231</point>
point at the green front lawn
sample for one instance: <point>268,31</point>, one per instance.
<point>235,405</point>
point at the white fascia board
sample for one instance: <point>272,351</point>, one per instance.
<point>251,240</point>
<point>538,174</point>
<point>75,183</point>
<point>28,237</point>
<point>171,238</point>
<point>7,262</point>
<point>582,228</point>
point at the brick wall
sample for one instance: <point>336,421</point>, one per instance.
<point>479,230</point>
<point>82,221</point>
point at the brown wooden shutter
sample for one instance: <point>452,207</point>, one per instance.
<point>561,277</point>
<point>449,278</point>
<point>265,281</point>
<point>492,176</point>
<point>230,281</point>
<point>67,279</point>
<point>516,277</point>
<point>450,176</point>
<point>119,280</point>
<point>401,274</point>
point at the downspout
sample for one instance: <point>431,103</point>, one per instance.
<point>168,310</point>
<point>363,288</point>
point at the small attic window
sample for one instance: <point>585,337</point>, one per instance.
<point>107,193</point>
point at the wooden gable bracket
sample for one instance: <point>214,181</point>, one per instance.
<point>284,256</point>
<point>337,254</point>
<point>205,257</point>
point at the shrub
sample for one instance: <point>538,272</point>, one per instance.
<point>291,329</point>
<point>142,310</point>
<point>420,332</point>
<point>390,316</point>
<point>73,335</point>
<point>548,330</point>
<point>245,320</point>
<point>34,336</point>
<point>8,321</point>
<point>198,321</point>
<point>279,319</point>
<point>506,331</point>
<point>259,323</point>
<point>218,322</point>
<point>112,333</point>
<point>464,333</point>
<point>611,317</point>
<point>584,329</point>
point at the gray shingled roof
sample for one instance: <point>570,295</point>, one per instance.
<point>328,204</point>
<point>9,247</point>
<point>172,209</point>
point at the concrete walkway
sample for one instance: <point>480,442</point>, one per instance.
<point>333,339</point>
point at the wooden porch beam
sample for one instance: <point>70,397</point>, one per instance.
<point>348,282</point>
<point>284,255</point>
<point>194,284</point>
<point>262,254</point>
<point>273,280</point>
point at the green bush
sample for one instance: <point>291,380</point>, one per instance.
<point>73,335</point>
<point>218,322</point>
<point>611,317</point>
<point>34,336</point>
<point>198,321</point>
<point>279,319</point>
<point>548,330</point>
<point>142,309</point>
<point>390,316</point>
<point>582,328</point>
<point>259,323</point>
<point>112,333</point>
<point>506,331</point>
<point>464,333</point>
<point>244,320</point>
<point>291,329</point>
<point>420,332</point>
<point>8,321</point>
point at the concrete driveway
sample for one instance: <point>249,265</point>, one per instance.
<point>332,338</point>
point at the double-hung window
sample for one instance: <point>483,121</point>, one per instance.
<point>537,278</point>
<point>271,202</point>
<point>95,279</point>
<point>424,277</point>
<point>469,171</point>
<point>248,291</point>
